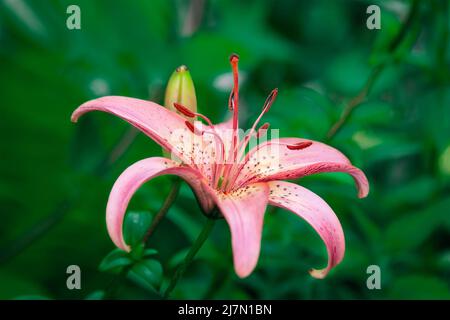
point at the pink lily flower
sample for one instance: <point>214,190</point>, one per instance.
<point>212,160</point>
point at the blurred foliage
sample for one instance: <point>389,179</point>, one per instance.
<point>55,176</point>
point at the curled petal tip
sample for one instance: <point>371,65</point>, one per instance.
<point>243,273</point>
<point>126,247</point>
<point>74,117</point>
<point>363,186</point>
<point>362,193</point>
<point>318,274</point>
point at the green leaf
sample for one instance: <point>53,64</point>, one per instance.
<point>412,229</point>
<point>372,113</point>
<point>136,225</point>
<point>115,261</point>
<point>32,297</point>
<point>419,287</point>
<point>147,273</point>
<point>307,106</point>
<point>87,148</point>
<point>149,252</point>
<point>348,73</point>
<point>96,295</point>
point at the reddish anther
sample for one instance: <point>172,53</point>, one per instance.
<point>185,111</point>
<point>299,146</point>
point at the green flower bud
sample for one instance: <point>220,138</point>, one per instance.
<point>180,89</point>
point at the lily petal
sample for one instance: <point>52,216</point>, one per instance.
<point>152,119</point>
<point>225,131</point>
<point>272,161</point>
<point>317,213</point>
<point>244,212</point>
<point>137,174</point>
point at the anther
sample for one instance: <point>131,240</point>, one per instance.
<point>262,130</point>
<point>299,146</point>
<point>191,127</point>
<point>185,111</point>
<point>270,99</point>
<point>234,58</point>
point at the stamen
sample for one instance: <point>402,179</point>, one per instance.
<point>234,59</point>
<point>220,148</point>
<point>231,101</point>
<point>296,146</point>
<point>233,104</point>
<point>259,133</point>
<point>270,100</point>
<point>262,130</point>
<point>195,131</point>
<point>191,127</point>
<point>267,104</point>
<point>239,150</point>
<point>217,163</point>
<point>183,110</point>
<point>299,146</point>
<point>188,113</point>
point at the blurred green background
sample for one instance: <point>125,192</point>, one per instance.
<point>56,176</point>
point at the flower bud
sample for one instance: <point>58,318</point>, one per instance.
<point>180,89</point>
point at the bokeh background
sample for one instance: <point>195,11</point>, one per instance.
<point>56,176</point>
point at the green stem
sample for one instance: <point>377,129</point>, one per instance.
<point>198,243</point>
<point>36,232</point>
<point>170,199</point>
<point>353,103</point>
<point>361,96</point>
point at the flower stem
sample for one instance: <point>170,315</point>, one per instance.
<point>190,256</point>
<point>171,197</point>
<point>361,96</point>
<point>353,103</point>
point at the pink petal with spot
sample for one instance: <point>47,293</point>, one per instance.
<point>272,161</point>
<point>137,174</point>
<point>225,131</point>
<point>317,213</point>
<point>244,212</point>
<point>152,119</point>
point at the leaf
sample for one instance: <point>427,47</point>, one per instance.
<point>96,295</point>
<point>19,286</point>
<point>149,252</point>
<point>86,149</point>
<point>372,113</point>
<point>422,188</point>
<point>306,105</point>
<point>419,287</point>
<point>147,273</point>
<point>115,261</point>
<point>412,229</point>
<point>348,73</point>
<point>136,225</point>
<point>388,147</point>
<point>32,297</point>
